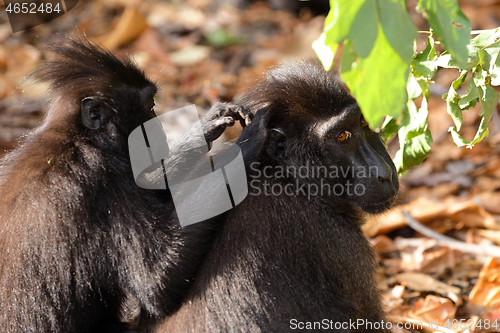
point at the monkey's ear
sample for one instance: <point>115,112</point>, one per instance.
<point>94,112</point>
<point>276,144</point>
<point>254,136</point>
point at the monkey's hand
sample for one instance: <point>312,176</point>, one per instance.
<point>222,115</point>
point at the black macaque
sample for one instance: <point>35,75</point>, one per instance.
<point>292,254</point>
<point>79,240</point>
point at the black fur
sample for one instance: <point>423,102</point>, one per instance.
<point>318,7</point>
<point>295,256</point>
<point>78,238</point>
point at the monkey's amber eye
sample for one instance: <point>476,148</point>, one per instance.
<point>345,135</point>
<point>364,123</point>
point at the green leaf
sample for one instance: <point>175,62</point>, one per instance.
<point>414,152</point>
<point>222,38</point>
<point>339,20</point>
<point>457,138</point>
<point>472,97</point>
<point>488,96</point>
<point>486,38</point>
<point>426,69</point>
<point>348,63</point>
<point>450,25</point>
<point>430,51</point>
<point>424,64</point>
<point>445,60</point>
<point>495,73</point>
<point>415,138</point>
<point>413,88</point>
<point>489,100</point>
<point>492,66</point>
<point>414,122</point>
<point>452,100</point>
<point>389,128</point>
<point>397,26</point>
<point>482,132</point>
<point>326,53</point>
<point>364,34</point>
<point>378,82</point>
<point>424,85</point>
<point>391,14</point>
<point>479,77</point>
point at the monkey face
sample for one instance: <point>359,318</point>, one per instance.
<point>361,165</point>
<point>316,138</point>
<point>338,160</point>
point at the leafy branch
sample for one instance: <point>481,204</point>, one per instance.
<point>381,67</point>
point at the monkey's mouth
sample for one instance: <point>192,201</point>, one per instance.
<point>377,207</point>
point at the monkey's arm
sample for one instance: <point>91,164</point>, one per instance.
<point>186,155</point>
<point>139,309</point>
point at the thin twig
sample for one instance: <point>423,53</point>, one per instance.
<point>449,242</point>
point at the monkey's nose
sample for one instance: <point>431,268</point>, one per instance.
<point>387,183</point>
<point>384,179</point>
<point>385,172</point>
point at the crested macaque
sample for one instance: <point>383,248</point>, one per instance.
<point>293,252</point>
<point>80,242</point>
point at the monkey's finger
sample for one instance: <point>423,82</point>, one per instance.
<point>236,111</point>
<point>245,115</point>
<point>217,127</point>
<point>222,123</point>
<point>228,121</point>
